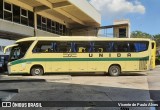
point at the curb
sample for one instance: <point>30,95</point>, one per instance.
<point>21,80</point>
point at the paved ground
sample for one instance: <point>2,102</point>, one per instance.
<point>127,87</point>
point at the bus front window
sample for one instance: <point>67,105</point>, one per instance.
<point>19,51</point>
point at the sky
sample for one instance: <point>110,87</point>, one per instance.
<point>144,15</point>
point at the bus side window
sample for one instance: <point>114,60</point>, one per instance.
<point>100,50</point>
<point>91,47</point>
<point>132,47</point>
<point>73,47</point>
<point>141,46</point>
<point>54,47</point>
<point>81,50</point>
<point>109,46</point>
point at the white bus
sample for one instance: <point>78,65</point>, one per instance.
<point>40,55</point>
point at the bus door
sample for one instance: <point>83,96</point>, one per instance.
<point>153,54</point>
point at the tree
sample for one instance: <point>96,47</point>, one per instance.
<point>139,34</point>
<point>157,39</point>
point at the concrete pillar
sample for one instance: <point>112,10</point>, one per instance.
<point>35,23</point>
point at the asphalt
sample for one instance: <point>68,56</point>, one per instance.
<point>127,87</point>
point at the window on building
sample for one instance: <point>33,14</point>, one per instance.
<point>31,18</point>
<point>7,11</point>
<point>24,13</point>
<point>64,30</point>
<point>122,32</point>
<point>39,24</point>
<point>16,14</point>
<point>1,9</point>
<point>57,28</point>
<point>53,27</point>
<point>44,24</point>
<point>49,25</point>
<point>24,17</point>
<point>60,29</point>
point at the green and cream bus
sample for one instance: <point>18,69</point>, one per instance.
<point>40,55</point>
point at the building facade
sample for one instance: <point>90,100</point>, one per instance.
<point>22,18</point>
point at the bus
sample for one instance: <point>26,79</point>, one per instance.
<point>4,57</point>
<point>40,55</point>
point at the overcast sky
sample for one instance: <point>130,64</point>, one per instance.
<point>144,15</point>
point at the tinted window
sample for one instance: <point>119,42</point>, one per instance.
<point>7,11</point>
<point>1,8</point>
<point>49,47</point>
<point>31,18</point>
<point>16,14</point>
<point>7,6</point>
<point>82,47</point>
<point>100,46</point>
<point>39,22</point>
<point>120,47</point>
<point>24,17</point>
<point>19,51</point>
<point>24,12</point>
<point>42,46</point>
<point>48,25</point>
<point>53,27</point>
<point>44,24</point>
<point>141,46</point>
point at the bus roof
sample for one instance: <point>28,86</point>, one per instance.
<point>80,38</point>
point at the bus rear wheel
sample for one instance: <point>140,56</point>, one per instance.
<point>114,70</point>
<point>37,71</point>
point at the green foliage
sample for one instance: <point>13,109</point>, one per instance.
<point>157,39</point>
<point>139,34</point>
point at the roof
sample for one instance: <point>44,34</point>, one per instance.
<point>65,10</point>
<point>80,38</point>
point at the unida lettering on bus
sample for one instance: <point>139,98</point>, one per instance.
<point>109,55</point>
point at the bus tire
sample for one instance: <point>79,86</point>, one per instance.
<point>114,70</point>
<point>37,71</point>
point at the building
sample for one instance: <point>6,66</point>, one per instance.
<point>119,29</point>
<point>123,30</point>
<point>22,18</point>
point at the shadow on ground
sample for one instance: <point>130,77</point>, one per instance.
<point>53,91</point>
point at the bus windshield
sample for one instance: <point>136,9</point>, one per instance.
<point>20,50</point>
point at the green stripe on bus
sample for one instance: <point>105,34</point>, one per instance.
<point>76,59</point>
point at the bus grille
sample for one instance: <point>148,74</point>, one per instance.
<point>142,65</point>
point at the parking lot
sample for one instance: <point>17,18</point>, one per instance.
<point>142,86</point>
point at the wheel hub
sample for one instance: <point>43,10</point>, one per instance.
<point>37,71</point>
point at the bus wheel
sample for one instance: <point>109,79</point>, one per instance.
<point>114,70</point>
<point>37,71</point>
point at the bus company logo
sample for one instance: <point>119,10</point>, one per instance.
<point>6,104</point>
<point>69,55</point>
